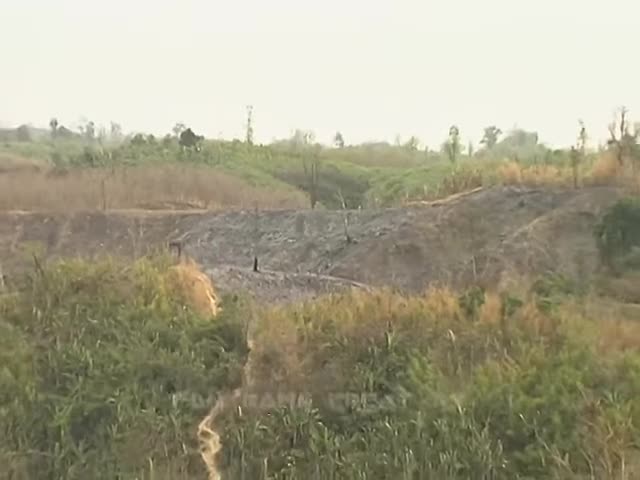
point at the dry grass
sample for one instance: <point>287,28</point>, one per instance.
<point>625,288</point>
<point>194,287</point>
<point>512,173</point>
<point>604,171</point>
<point>145,187</point>
<point>292,343</point>
<point>12,162</point>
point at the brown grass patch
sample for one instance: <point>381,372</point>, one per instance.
<point>11,162</point>
<point>145,187</point>
<point>619,336</point>
<point>194,287</point>
<point>625,288</point>
<point>512,173</point>
<point>605,170</point>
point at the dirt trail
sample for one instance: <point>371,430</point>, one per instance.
<point>487,236</point>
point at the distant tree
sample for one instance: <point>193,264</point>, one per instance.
<point>249,133</point>
<point>412,144</point>
<point>338,140</point>
<point>88,131</point>
<point>490,136</point>
<point>622,141</point>
<point>23,134</point>
<point>577,153</point>
<point>452,146</point>
<point>470,149</point>
<point>53,125</point>
<point>582,138</point>
<point>115,133</point>
<point>188,139</point>
<point>167,140</point>
<point>63,132</point>
<point>102,135</point>
<point>302,138</point>
<point>138,140</point>
<point>311,167</point>
<point>178,128</point>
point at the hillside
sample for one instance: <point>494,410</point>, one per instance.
<point>486,236</point>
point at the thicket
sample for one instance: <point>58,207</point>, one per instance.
<point>92,357</point>
<point>106,373</point>
<point>474,386</point>
<point>618,235</point>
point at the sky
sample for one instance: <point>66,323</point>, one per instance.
<point>371,69</point>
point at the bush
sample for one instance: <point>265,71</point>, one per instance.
<point>618,234</point>
<point>94,360</point>
<point>457,393</point>
<point>106,373</point>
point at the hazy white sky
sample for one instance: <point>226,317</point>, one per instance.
<point>369,68</point>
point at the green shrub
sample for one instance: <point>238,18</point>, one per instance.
<point>95,357</point>
<point>618,233</point>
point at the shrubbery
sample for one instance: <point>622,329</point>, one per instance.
<point>618,235</point>
<point>472,388</point>
<point>92,357</point>
<point>99,362</point>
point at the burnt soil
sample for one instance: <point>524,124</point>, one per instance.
<point>487,236</point>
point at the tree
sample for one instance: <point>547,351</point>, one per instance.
<point>311,166</point>
<point>470,149</point>
<point>490,137</point>
<point>23,134</point>
<point>452,146</point>
<point>577,153</point>
<point>64,132</point>
<point>88,130</point>
<point>412,144</point>
<point>302,138</point>
<point>53,124</point>
<point>582,138</point>
<point>302,142</point>
<point>622,141</point>
<point>188,139</point>
<point>249,136</point>
<point>138,140</point>
<point>116,132</point>
<point>178,128</point>
<point>338,140</point>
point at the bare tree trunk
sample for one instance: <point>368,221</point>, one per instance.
<point>103,193</point>
<point>345,217</point>
<point>256,237</point>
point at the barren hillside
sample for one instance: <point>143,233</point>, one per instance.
<point>486,236</point>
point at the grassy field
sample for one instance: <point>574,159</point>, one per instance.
<point>237,174</point>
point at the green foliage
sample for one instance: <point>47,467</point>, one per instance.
<point>93,359</point>
<point>490,137</point>
<point>618,233</point>
<point>471,301</point>
<point>552,289</point>
<point>102,367</point>
<point>454,398</point>
<point>371,174</point>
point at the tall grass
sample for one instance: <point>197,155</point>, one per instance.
<point>492,388</point>
<point>108,369</point>
<point>145,187</point>
<point>93,358</point>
